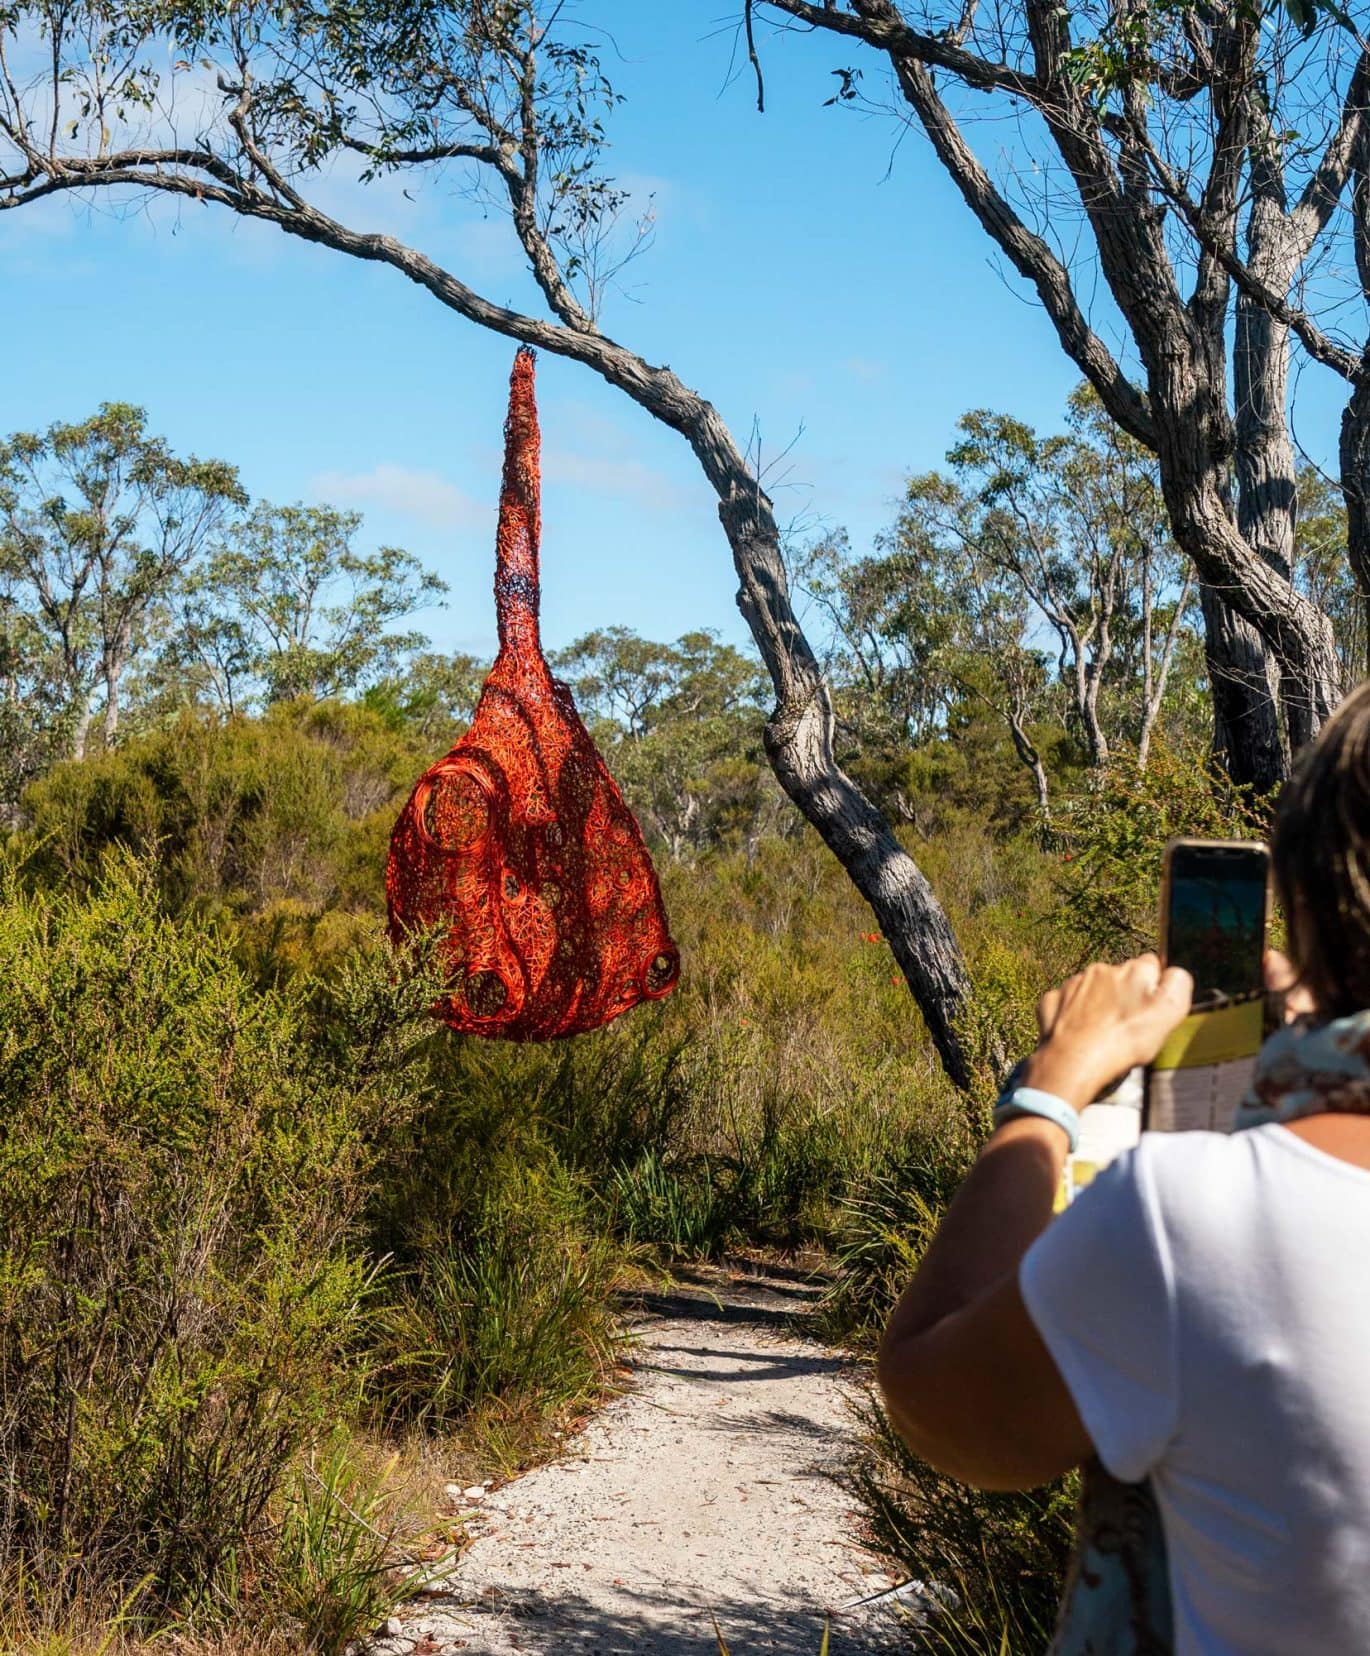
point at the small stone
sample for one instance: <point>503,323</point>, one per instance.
<point>391,1628</point>
<point>453,1492</point>
<point>475,1493</point>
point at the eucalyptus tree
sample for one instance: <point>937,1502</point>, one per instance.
<point>1316,314</point>
<point>248,105</point>
<point>35,711</point>
<point>1025,540</point>
<point>98,521</point>
<point>1076,520</point>
<point>1258,118</point>
<point>923,624</point>
<point>679,724</point>
<point>286,605</point>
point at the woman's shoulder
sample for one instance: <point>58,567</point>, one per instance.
<point>1175,1160</point>
<point>1213,1188</point>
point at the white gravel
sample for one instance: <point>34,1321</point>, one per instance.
<point>705,1491</point>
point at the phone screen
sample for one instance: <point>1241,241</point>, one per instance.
<point>1214,926</point>
<point>1215,920</point>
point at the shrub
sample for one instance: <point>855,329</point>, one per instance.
<point>182,1170</point>
<point>1115,832</point>
<point>885,1228</point>
<point>509,1313</point>
<point>275,823</point>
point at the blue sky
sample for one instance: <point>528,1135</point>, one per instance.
<point>813,275</point>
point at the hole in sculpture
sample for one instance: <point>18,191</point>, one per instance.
<point>660,973</point>
<point>485,993</point>
<point>455,812</point>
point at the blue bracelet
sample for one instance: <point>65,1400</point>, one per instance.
<point>1021,1101</point>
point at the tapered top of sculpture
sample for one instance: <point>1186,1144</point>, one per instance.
<point>517,576</point>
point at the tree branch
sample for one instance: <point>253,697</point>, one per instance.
<point>889,33</point>
<point>1316,205</point>
<point>1319,345</point>
<point>1028,253</point>
<point>486,154</point>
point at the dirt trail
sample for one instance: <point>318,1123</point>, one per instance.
<point>706,1488</point>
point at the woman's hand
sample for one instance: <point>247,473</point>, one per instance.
<point>1102,1022</point>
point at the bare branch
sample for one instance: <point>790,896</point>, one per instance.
<point>888,32</point>
<point>486,154</point>
<point>1324,189</point>
<point>752,57</point>
<point>1321,346</point>
<point>1029,254</point>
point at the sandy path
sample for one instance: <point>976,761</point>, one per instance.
<point>707,1488</point>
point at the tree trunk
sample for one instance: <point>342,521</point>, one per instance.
<point>80,736</point>
<point>1355,420</point>
<point>1095,739</point>
<point>1247,741</point>
<point>1028,754</point>
<point>1355,491</point>
<point>1267,486</point>
<point>799,746</point>
<point>1157,676</point>
<point>111,715</point>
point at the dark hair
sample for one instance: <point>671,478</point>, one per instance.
<point>1320,856</point>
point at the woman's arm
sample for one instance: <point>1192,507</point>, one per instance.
<point>967,1380</point>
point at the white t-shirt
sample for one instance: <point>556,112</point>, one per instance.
<point>1207,1302</point>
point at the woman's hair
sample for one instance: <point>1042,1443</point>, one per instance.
<point>1320,855</point>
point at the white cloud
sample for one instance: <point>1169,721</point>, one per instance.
<point>424,496</point>
<point>862,368</point>
<point>612,475</point>
<point>600,458</point>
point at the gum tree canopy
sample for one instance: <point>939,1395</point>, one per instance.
<point>249,106</point>
<point>1195,156</point>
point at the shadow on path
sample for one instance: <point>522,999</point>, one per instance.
<point>752,1366</point>
<point>677,1306</point>
<point>680,1625</point>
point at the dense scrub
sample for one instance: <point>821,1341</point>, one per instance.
<point>183,1275</point>
<point>250,1195</point>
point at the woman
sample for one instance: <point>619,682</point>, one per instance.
<point>1200,1316</point>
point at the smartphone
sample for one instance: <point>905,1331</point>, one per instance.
<point>1215,903</point>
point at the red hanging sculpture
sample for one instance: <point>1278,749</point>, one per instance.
<point>518,842</point>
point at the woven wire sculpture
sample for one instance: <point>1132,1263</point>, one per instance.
<point>518,844</point>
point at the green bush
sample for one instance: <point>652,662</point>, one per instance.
<point>1115,832</point>
<point>508,1315</point>
<point>183,1169</point>
<point>680,1209</point>
<point>277,824</point>
<point>885,1228</point>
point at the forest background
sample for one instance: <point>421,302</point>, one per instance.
<point>272,1250</point>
